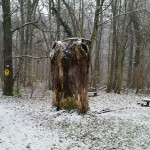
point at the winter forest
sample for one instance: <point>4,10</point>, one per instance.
<point>118,31</point>
<point>89,55</point>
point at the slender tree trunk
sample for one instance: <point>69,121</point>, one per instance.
<point>109,51</point>
<point>117,50</point>
<point>111,75</point>
<point>123,43</point>
<point>19,74</point>
<point>58,20</point>
<point>7,50</point>
<point>97,56</point>
<point>71,13</point>
<point>137,73</point>
<point>63,23</point>
<point>1,54</point>
<point>99,5</point>
<point>130,66</point>
<point>137,57</point>
<point>30,13</point>
<point>81,16</point>
<point>50,41</point>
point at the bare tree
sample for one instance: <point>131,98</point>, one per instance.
<point>114,38</point>
<point>98,10</point>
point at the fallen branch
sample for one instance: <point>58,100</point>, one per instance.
<point>107,110</point>
<point>103,111</point>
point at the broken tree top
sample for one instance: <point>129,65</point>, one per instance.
<point>85,41</point>
<point>67,43</point>
<point>70,63</point>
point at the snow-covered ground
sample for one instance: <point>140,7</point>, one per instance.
<point>113,122</point>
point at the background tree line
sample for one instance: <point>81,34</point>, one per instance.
<point>118,30</point>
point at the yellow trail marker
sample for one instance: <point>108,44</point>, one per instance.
<point>7,72</point>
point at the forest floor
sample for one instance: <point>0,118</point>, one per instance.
<point>113,122</point>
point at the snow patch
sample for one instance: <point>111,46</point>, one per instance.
<point>113,122</point>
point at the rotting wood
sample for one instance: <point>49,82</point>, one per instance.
<point>70,62</point>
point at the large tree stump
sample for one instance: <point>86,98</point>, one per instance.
<point>70,62</point>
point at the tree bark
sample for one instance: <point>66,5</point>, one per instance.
<point>130,66</point>
<point>99,5</point>
<point>137,57</point>
<point>97,71</point>
<point>7,51</point>
<point>75,23</point>
<point>114,38</point>
<point>1,54</point>
<point>58,20</point>
<point>30,13</point>
<point>66,27</point>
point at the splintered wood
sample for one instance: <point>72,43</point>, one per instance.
<point>70,63</point>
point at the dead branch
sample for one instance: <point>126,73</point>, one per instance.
<point>106,7</point>
<point>66,27</point>
<point>40,28</point>
<point>107,111</point>
<point>30,56</point>
<point>26,24</point>
<point>109,20</point>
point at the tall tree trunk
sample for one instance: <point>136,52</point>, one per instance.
<point>137,73</point>
<point>81,16</point>
<point>111,75</point>
<point>137,57</point>
<point>7,51</point>
<point>99,5</point>
<point>117,50</point>
<point>74,21</point>
<point>123,43</point>
<point>30,13</point>
<point>50,41</point>
<point>109,53</point>
<point>58,20</point>
<point>63,23</point>
<point>1,54</point>
<point>19,74</point>
<point>120,66</point>
<point>96,72</point>
<point>130,66</point>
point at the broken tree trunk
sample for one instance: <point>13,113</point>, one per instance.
<point>70,62</point>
